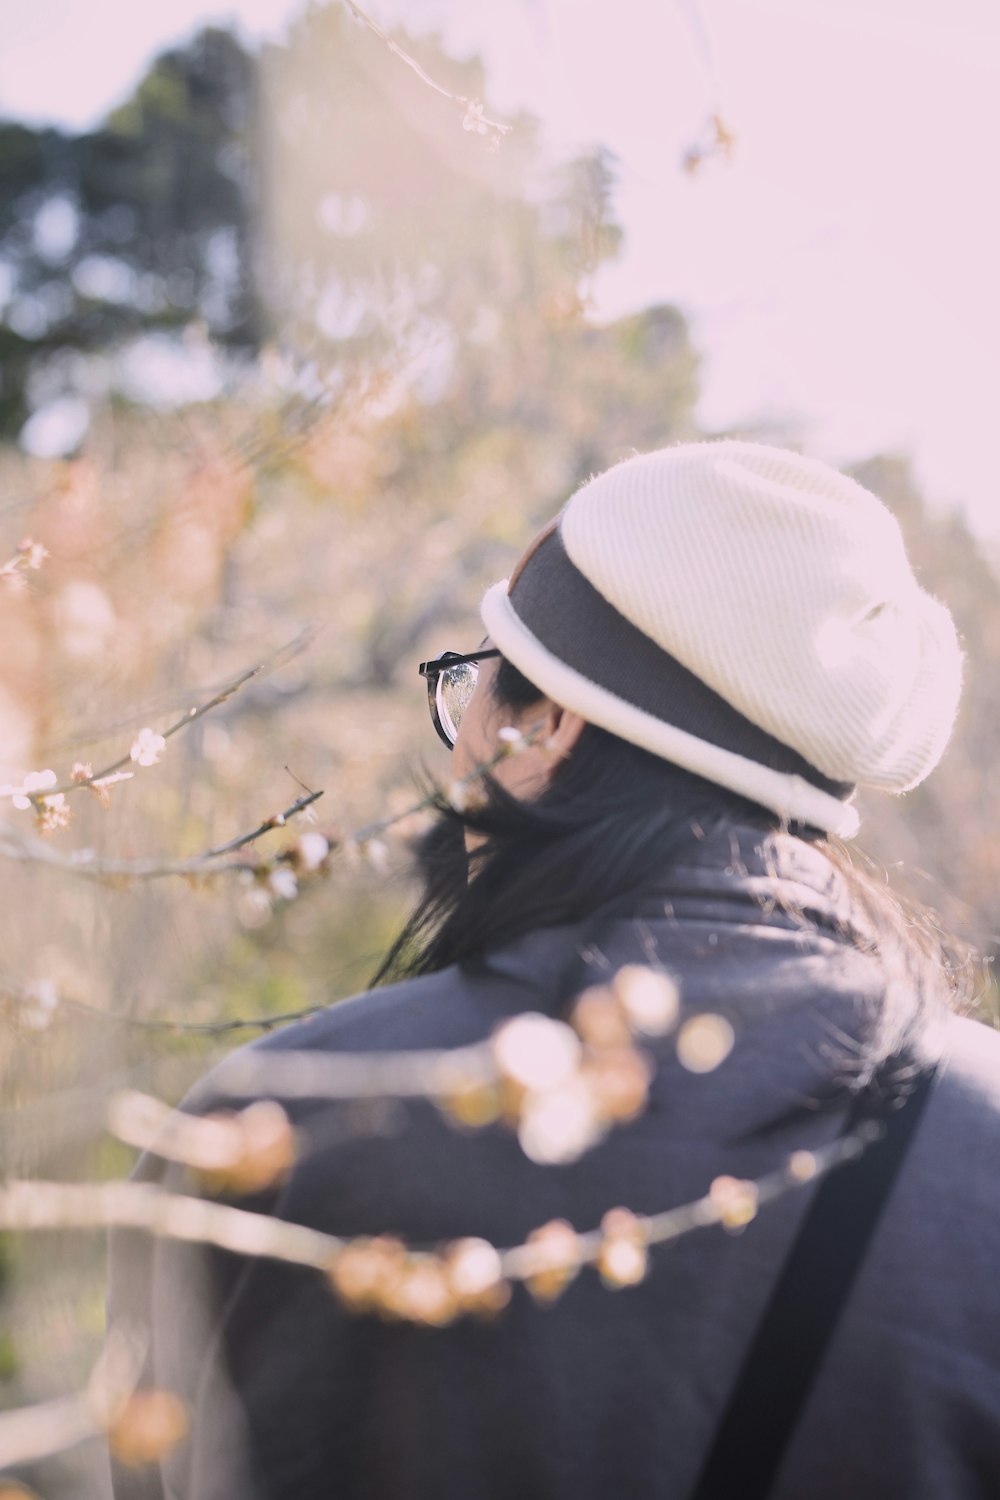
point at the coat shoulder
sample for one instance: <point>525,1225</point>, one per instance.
<point>967,1108</point>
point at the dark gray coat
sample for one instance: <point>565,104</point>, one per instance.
<point>608,1393</point>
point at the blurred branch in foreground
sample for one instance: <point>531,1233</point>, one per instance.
<point>140,1426</point>
<point>424,1285</point>
<point>562,1086</point>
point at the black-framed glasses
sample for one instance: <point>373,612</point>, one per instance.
<point>451,682</point>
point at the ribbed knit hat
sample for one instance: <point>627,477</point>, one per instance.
<point>749,615</point>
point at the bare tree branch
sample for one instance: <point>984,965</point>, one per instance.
<point>212,862</point>
<point>124,762</point>
<point>474,117</point>
<point>168,702</point>
<point>83,862</point>
<point>191,717</point>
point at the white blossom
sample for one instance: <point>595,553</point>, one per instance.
<point>465,796</point>
<point>254,906</point>
<point>512,739</point>
<point>560,1124</point>
<point>313,848</point>
<point>34,782</point>
<point>53,813</point>
<point>39,1004</point>
<point>147,747</point>
<point>377,853</point>
<point>32,553</point>
<point>649,998</point>
<point>473,119</point>
<point>458,796</point>
<point>282,883</point>
<point>535,1051</point>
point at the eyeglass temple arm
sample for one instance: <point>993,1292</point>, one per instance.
<point>447,659</point>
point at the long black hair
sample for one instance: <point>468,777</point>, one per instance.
<point>612,820</point>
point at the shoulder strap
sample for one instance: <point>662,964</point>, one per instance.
<point>801,1316</point>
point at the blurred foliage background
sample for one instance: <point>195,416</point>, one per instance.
<point>291,366</point>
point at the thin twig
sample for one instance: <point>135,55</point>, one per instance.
<point>474,118</point>
<point>212,862</point>
<point>108,773</point>
<point>168,703</point>
<point>213,1028</point>
<point>192,715</point>
<point>277,821</point>
<point>27,995</point>
<point>202,1028</point>
<point>716,138</point>
<point>84,862</point>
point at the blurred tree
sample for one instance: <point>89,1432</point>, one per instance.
<point>169,185</point>
<point>380,227</point>
<point>389,226</point>
<point>944,849</point>
<point>144,224</point>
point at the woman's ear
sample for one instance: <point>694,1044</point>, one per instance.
<point>567,728</point>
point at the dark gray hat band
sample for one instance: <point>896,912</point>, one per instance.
<point>577,625</point>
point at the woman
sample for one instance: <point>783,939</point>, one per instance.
<point>685,679</point>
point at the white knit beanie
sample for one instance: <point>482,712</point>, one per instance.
<point>749,615</point>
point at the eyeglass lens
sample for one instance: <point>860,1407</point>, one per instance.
<point>455,687</point>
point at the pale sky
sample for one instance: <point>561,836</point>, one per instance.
<point>841,271</point>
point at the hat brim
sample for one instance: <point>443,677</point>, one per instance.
<point>791,797</point>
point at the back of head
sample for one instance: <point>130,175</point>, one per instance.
<point>742,632</point>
